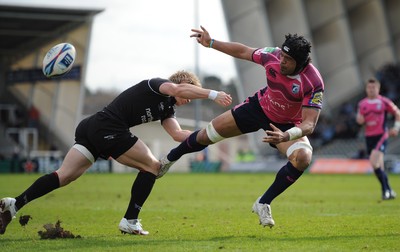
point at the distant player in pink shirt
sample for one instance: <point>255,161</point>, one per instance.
<point>372,112</point>
<point>286,108</point>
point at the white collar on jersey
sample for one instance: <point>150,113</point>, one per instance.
<point>296,77</point>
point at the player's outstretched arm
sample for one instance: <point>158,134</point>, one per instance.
<point>233,49</point>
<point>188,91</point>
<point>221,97</point>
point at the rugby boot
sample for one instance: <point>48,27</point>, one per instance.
<point>132,227</point>
<point>7,213</point>
<point>264,213</point>
<point>164,167</point>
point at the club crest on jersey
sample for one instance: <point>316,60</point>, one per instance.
<point>295,88</point>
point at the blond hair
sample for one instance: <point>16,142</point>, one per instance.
<point>185,77</point>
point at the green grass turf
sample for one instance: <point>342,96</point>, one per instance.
<point>210,212</point>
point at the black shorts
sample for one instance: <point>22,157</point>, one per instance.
<point>104,136</point>
<point>378,142</point>
<point>250,117</point>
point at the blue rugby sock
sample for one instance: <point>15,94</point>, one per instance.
<point>285,177</point>
<point>188,146</point>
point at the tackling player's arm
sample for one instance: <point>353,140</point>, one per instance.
<point>188,91</point>
<point>172,127</point>
<point>233,49</point>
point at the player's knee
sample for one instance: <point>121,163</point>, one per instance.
<point>212,134</point>
<point>303,158</point>
<point>300,153</point>
<point>202,137</point>
<point>375,165</point>
<point>374,162</point>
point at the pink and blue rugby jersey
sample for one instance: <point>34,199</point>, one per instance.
<point>286,95</point>
<point>374,112</point>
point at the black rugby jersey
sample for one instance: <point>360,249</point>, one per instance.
<point>142,103</point>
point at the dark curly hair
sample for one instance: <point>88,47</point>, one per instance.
<point>299,49</point>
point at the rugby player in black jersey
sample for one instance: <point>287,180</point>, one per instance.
<point>106,134</point>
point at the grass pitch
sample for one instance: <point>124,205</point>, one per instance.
<point>210,212</point>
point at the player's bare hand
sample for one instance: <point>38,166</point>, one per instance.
<point>202,36</point>
<point>223,99</point>
<point>275,135</point>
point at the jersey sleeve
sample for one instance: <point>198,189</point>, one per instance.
<point>314,99</point>
<point>263,55</point>
<point>314,90</point>
<point>155,83</point>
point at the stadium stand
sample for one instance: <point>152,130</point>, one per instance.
<point>26,33</point>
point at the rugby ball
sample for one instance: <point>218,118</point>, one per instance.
<point>59,60</point>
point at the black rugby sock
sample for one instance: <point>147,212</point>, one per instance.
<point>381,176</point>
<point>386,181</point>
<point>141,189</point>
<point>188,146</point>
<point>285,177</point>
<point>40,187</point>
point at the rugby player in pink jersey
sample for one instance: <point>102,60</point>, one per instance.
<point>372,112</point>
<point>286,108</point>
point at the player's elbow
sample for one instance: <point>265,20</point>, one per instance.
<point>245,55</point>
<point>174,90</point>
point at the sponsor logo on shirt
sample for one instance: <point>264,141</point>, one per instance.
<point>110,137</point>
<point>316,99</point>
<point>148,117</point>
<point>269,49</point>
<point>161,106</point>
<point>278,104</point>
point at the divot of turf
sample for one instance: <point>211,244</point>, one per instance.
<point>55,231</point>
<point>24,219</point>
